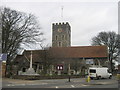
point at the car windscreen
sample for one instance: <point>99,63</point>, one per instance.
<point>92,71</point>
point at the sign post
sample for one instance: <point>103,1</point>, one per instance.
<point>59,68</point>
<point>3,57</point>
<point>89,61</point>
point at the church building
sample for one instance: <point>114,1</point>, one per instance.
<point>62,58</point>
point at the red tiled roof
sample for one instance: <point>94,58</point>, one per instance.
<point>66,52</point>
<point>79,52</point>
<point>37,55</point>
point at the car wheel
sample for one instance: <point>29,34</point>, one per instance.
<point>91,78</point>
<point>110,77</point>
<point>99,77</point>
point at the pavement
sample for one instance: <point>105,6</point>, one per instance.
<point>57,83</point>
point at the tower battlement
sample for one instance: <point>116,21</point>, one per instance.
<point>60,24</point>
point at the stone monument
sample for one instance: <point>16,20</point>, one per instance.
<point>30,70</point>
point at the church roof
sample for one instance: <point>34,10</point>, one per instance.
<point>79,52</point>
<point>65,52</point>
<point>37,56</point>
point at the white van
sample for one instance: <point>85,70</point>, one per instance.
<point>99,72</point>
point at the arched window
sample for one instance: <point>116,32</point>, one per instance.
<point>63,37</point>
<point>56,37</point>
<point>59,44</point>
<point>23,69</point>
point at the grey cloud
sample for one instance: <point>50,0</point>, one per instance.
<point>86,19</point>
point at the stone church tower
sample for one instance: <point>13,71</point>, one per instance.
<point>61,35</point>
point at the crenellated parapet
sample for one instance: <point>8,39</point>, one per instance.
<point>60,25</point>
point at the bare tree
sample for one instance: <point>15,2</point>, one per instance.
<point>18,28</point>
<point>110,39</point>
<point>47,59</point>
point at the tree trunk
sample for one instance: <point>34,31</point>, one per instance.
<point>110,59</point>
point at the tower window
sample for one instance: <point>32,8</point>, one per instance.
<point>59,44</point>
<point>56,37</point>
<point>63,37</point>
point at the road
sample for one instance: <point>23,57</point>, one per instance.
<point>60,83</point>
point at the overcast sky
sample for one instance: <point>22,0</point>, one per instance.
<point>86,19</point>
